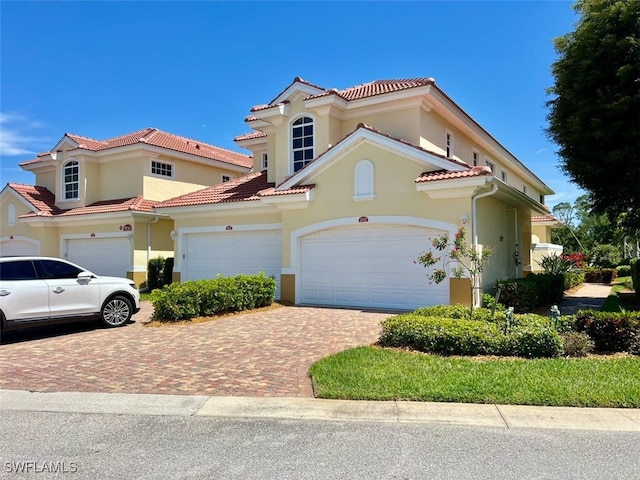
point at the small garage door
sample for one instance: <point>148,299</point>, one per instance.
<point>18,247</point>
<point>208,255</point>
<point>368,266</point>
<point>103,256</point>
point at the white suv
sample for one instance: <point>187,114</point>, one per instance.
<point>37,291</point>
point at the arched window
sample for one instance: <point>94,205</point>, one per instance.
<point>71,180</point>
<point>302,142</point>
<point>11,215</point>
<point>363,188</point>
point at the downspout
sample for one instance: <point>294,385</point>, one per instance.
<point>474,232</point>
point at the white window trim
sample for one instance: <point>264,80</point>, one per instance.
<point>11,215</point>
<point>265,160</point>
<point>490,164</point>
<point>157,175</point>
<point>475,157</point>
<point>290,138</point>
<point>449,140</point>
<point>64,184</point>
<point>364,176</point>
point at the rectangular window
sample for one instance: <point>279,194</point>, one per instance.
<point>490,165</point>
<point>162,169</point>
<point>503,176</point>
<point>476,158</point>
<point>226,178</point>
<point>449,144</point>
<point>265,161</point>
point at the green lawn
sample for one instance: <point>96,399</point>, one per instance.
<point>612,303</point>
<point>369,373</point>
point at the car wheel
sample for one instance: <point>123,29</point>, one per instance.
<point>116,311</point>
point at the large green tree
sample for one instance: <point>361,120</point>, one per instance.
<point>594,110</point>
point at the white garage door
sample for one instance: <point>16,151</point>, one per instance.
<point>103,256</point>
<point>231,253</point>
<point>18,247</point>
<point>368,266</point>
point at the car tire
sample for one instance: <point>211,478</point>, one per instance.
<point>116,311</point>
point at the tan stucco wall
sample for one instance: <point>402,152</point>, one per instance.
<point>404,124</point>
<point>395,195</point>
<point>46,238</point>
<point>214,220</point>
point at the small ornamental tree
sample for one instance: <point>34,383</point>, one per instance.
<point>469,260</point>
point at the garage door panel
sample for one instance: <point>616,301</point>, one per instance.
<point>18,247</point>
<point>231,253</point>
<point>368,266</point>
<point>103,256</point>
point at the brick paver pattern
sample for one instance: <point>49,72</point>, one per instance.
<point>265,354</point>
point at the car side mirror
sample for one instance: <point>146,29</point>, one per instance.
<point>85,275</point>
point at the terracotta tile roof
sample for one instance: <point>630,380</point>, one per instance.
<point>242,189</point>
<point>272,192</point>
<point>250,136</point>
<point>41,198</point>
<point>377,87</point>
<point>446,175</point>
<point>158,138</point>
<point>44,201</point>
<point>544,218</point>
<point>257,108</point>
<point>296,80</point>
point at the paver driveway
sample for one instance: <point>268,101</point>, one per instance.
<point>266,353</point>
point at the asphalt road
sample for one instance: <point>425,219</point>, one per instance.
<point>105,446</point>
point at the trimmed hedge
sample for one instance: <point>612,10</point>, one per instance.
<point>537,290</point>
<point>573,279</point>
<point>623,271</point>
<point>530,335</point>
<point>159,272</point>
<point>183,301</point>
<point>610,332</point>
<point>600,275</point>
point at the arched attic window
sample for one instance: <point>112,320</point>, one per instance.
<point>363,188</point>
<point>302,142</point>
<point>71,180</point>
<point>11,215</point>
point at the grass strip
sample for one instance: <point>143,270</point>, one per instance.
<point>370,373</point>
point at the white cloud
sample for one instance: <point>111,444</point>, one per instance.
<point>541,151</point>
<point>13,139</point>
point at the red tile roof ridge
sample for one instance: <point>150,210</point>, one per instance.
<point>296,80</point>
<point>244,188</point>
<point>449,175</point>
<point>544,218</point>
<point>249,136</point>
<point>271,192</point>
<point>368,89</point>
<point>257,108</point>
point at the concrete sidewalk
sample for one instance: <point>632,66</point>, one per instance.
<point>499,416</point>
<point>590,296</point>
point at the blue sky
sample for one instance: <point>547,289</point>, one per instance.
<point>102,69</point>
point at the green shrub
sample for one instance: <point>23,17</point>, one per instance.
<point>520,294</point>
<point>610,332</point>
<point>444,336</point>
<point>573,279</point>
<point>534,340</point>
<point>635,274</point>
<point>605,256</point>
<point>182,301</point>
<point>577,344</point>
<point>634,347</point>
<point>549,287</point>
<point>600,275</point>
<point>623,271</point>
<point>530,335</point>
<point>159,272</point>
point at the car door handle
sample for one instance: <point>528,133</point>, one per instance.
<point>4,293</point>
<point>58,290</point>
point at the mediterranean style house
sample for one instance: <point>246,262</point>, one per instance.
<point>342,191</point>
<point>347,189</point>
<point>93,200</point>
